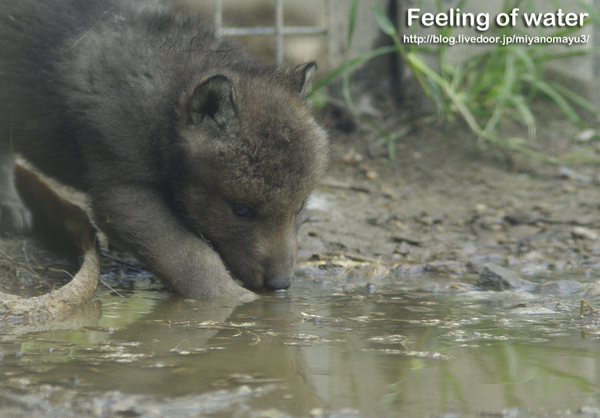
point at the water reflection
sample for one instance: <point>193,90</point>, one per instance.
<point>391,353</point>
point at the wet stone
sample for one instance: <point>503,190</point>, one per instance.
<point>403,248</point>
<point>346,413</point>
<point>494,277</point>
<point>521,217</point>
<point>410,240</point>
<point>584,233</point>
<point>533,309</point>
<point>586,135</point>
<point>521,232</point>
<point>573,175</point>
<point>561,288</point>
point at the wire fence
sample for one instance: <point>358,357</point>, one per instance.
<point>279,30</point>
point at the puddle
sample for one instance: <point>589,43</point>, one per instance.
<point>427,346</point>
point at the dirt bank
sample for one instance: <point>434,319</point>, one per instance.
<point>444,204</point>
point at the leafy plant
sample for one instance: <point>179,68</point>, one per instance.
<point>344,70</point>
<point>486,88</point>
<point>493,84</point>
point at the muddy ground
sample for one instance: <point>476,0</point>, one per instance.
<point>445,204</point>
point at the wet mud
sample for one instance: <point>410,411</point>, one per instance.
<point>337,345</point>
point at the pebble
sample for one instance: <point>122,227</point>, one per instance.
<point>562,287</point>
<point>371,174</point>
<point>582,232</point>
<point>403,248</point>
<point>586,135</point>
<point>533,310</point>
<point>352,157</point>
<point>521,217</point>
<point>494,277</point>
<point>481,208</point>
<point>573,175</point>
<point>316,412</point>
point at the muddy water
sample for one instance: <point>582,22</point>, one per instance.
<point>336,345</point>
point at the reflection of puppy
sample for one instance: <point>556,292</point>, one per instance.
<point>196,158</point>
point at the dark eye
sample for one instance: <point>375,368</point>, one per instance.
<point>243,211</point>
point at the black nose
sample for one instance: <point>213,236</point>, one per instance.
<point>277,283</point>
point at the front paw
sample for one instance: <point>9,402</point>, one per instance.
<point>239,294</point>
<point>15,217</point>
<point>229,292</point>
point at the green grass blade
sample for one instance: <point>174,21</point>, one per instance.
<point>418,64</point>
<point>351,63</point>
<point>521,53</point>
<point>346,74</point>
<point>571,53</point>
<point>352,21</point>
<point>505,91</point>
<point>520,104</point>
<point>384,22</point>
<point>394,136</point>
<point>575,98</point>
<point>594,14</point>
<point>556,97</point>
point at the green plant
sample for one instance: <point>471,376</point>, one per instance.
<point>388,138</point>
<point>493,84</point>
<point>486,88</point>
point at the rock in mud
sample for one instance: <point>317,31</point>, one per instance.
<point>494,277</point>
<point>533,309</point>
<point>521,217</point>
<point>584,233</point>
<point>561,288</point>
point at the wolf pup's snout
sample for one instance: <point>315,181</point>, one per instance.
<point>277,283</point>
<point>279,277</point>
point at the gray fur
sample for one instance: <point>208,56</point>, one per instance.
<point>167,129</point>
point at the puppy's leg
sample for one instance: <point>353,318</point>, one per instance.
<point>14,216</point>
<point>138,218</point>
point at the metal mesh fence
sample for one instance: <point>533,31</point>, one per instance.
<point>279,30</point>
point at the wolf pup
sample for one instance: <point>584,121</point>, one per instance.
<point>196,158</point>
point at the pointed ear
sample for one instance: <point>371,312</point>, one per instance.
<point>212,98</point>
<point>303,76</point>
